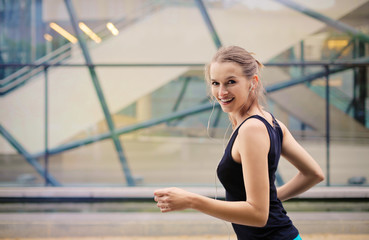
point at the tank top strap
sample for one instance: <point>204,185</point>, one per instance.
<point>235,132</point>
<point>275,122</point>
<point>257,117</point>
<point>275,125</point>
<point>266,123</point>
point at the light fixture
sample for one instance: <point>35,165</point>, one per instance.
<point>89,32</point>
<point>337,82</point>
<point>112,28</point>
<point>63,32</point>
<point>337,43</point>
<point>48,37</point>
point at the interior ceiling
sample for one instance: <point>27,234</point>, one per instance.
<point>359,18</point>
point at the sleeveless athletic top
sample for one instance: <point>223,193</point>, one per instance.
<point>279,225</point>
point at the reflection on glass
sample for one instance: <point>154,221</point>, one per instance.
<point>63,32</point>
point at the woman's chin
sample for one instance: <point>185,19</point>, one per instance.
<point>226,109</point>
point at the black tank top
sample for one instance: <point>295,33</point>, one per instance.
<point>279,225</point>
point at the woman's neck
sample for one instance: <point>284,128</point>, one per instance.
<point>237,118</point>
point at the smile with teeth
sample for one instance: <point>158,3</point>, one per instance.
<point>225,100</point>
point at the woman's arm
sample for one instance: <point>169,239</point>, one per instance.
<point>309,173</point>
<point>174,199</point>
<point>252,146</point>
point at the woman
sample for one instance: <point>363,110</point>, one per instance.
<point>251,157</point>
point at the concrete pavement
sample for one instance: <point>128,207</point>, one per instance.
<point>85,224</point>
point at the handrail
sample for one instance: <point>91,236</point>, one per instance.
<point>362,62</point>
<point>4,88</point>
<point>359,62</point>
<point>197,109</point>
<point>41,60</point>
<point>19,77</point>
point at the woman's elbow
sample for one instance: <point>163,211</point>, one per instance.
<point>259,218</point>
<point>262,219</point>
<point>315,177</point>
<point>263,222</point>
<point>319,176</point>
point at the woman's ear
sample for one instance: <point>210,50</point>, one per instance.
<point>255,78</point>
<point>254,82</point>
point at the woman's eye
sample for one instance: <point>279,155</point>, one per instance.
<point>231,82</point>
<point>214,83</point>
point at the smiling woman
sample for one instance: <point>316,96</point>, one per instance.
<point>247,168</point>
<point>232,71</point>
<point>228,85</point>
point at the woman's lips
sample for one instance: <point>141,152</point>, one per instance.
<point>225,101</point>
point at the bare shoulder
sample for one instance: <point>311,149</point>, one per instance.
<point>253,127</point>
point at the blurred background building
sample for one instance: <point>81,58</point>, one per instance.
<point>111,92</point>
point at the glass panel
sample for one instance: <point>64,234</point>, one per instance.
<point>173,161</point>
<point>75,111</point>
<point>15,171</point>
<point>75,115</point>
<point>95,164</point>
<point>161,33</point>
<point>22,117</point>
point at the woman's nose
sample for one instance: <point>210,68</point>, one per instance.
<point>223,91</point>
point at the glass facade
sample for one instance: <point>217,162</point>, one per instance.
<point>123,100</point>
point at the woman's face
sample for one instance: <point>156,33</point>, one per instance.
<point>229,86</point>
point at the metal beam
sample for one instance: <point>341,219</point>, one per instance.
<point>209,23</point>
<point>207,106</point>
<point>357,62</point>
<point>313,76</point>
<point>216,40</point>
<point>100,94</point>
<point>191,111</point>
<point>339,54</point>
<point>46,157</point>
<point>329,21</point>
<point>31,160</point>
<point>181,93</point>
<point>180,98</point>
<point>360,86</point>
<point>327,124</point>
<point>124,130</point>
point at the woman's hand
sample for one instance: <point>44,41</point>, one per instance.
<point>172,199</point>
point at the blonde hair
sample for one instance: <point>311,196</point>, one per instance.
<point>250,67</point>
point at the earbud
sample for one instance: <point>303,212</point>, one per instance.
<point>251,87</point>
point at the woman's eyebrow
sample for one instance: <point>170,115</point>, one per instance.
<point>229,77</point>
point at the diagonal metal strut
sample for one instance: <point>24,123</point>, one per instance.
<point>209,23</point>
<point>197,109</point>
<point>100,94</point>
<point>30,159</point>
<point>329,21</point>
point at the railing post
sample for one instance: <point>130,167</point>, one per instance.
<point>327,120</point>
<point>360,85</point>
<point>46,157</point>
